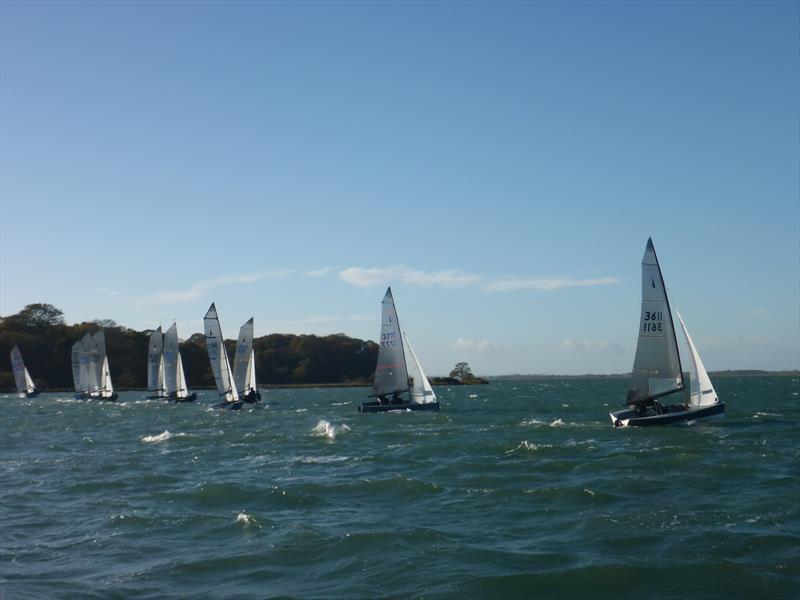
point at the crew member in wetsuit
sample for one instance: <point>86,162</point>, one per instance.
<point>396,399</point>
<point>382,399</point>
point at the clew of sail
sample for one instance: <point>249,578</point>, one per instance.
<point>155,362</point>
<point>702,393</point>
<point>218,356</point>
<point>244,359</point>
<point>421,390</point>
<point>391,371</point>
<point>657,365</point>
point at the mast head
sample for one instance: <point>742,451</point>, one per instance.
<point>388,292</point>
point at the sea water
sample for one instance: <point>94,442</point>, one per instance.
<point>514,490</point>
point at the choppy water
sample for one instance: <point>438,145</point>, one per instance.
<point>516,489</point>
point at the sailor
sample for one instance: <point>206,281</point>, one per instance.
<point>396,398</point>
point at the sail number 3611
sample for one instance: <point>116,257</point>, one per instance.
<point>649,322</point>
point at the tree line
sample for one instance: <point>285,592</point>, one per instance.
<point>46,344</point>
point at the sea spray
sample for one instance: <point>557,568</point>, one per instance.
<point>324,429</point>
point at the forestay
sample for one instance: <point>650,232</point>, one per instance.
<point>701,391</point>
<point>421,390</point>
<point>391,372</point>
<point>219,357</point>
<point>657,366</point>
<point>244,359</point>
<point>155,362</point>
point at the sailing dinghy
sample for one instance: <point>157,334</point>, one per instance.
<point>391,373</point>
<point>155,365</point>
<point>22,378</point>
<point>244,365</point>
<point>80,367</point>
<point>219,362</point>
<point>657,371</point>
<point>174,377</point>
<point>100,385</point>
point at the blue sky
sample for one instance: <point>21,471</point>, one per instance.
<point>501,165</point>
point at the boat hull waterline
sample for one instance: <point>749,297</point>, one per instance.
<point>377,406</point>
<point>630,417</point>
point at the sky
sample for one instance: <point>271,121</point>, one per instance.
<point>500,165</point>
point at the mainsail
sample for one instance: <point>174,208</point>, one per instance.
<point>21,376</point>
<point>244,369</point>
<point>174,379</point>
<point>657,366</point>
<point>76,366</point>
<point>219,357</point>
<point>155,363</point>
<point>421,390</point>
<point>86,371</point>
<point>391,372</point>
<point>701,391</point>
<point>96,350</point>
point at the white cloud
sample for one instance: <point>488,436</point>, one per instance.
<point>109,293</point>
<point>203,287</point>
<point>547,285</point>
<point>482,345</point>
<point>589,345</point>
<point>318,272</point>
<point>361,277</point>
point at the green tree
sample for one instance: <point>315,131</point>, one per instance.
<point>462,372</point>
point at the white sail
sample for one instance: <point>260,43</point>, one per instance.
<point>180,391</point>
<point>391,372</point>
<point>21,376</point>
<point>107,388</point>
<point>218,356</point>
<point>421,390</point>
<point>657,366</point>
<point>244,359</point>
<point>155,362</point>
<point>702,393</point>
<point>76,366</point>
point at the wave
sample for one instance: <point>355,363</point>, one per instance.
<point>324,429</point>
<point>162,437</point>
<point>526,446</point>
<point>247,520</point>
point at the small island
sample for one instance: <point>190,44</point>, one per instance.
<point>460,375</point>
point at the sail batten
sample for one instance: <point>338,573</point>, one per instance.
<point>657,368</point>
<point>218,356</point>
<point>391,371</point>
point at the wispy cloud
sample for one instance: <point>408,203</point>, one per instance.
<point>591,345</point>
<point>364,278</point>
<point>547,285</point>
<point>482,345</point>
<point>201,288</point>
<point>109,293</point>
<point>318,272</point>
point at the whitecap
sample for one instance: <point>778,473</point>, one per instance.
<point>765,414</point>
<point>531,422</point>
<point>473,395</point>
<point>162,437</point>
<point>557,423</point>
<point>247,520</point>
<point>342,403</point>
<point>326,430</point>
<point>527,446</point>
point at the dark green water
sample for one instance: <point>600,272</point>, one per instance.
<point>514,490</point>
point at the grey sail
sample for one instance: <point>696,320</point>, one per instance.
<point>155,362</point>
<point>243,359</point>
<point>657,365</point>
<point>218,356</point>
<point>97,355</point>
<point>21,377</point>
<point>76,366</point>
<point>391,373</point>
<point>86,370</point>
<point>171,361</point>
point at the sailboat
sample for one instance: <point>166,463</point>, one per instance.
<point>219,362</point>
<point>80,367</point>
<point>155,365</point>
<point>391,372</point>
<point>22,378</point>
<point>100,385</point>
<point>244,365</point>
<point>657,371</point>
<point>174,377</point>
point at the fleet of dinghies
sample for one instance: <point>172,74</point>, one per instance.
<point>400,384</point>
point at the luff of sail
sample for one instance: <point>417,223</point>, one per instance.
<point>421,390</point>
<point>702,392</point>
<point>244,360</point>
<point>657,365</point>
<point>155,362</point>
<point>391,371</point>
<point>22,378</point>
<point>218,356</point>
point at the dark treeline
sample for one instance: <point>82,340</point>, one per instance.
<point>281,359</point>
